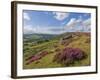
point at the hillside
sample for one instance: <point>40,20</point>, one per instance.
<point>40,50</point>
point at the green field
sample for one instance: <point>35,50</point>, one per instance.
<point>53,44</point>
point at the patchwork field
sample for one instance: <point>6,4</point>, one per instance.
<point>49,51</point>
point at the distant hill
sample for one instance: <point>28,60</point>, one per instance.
<point>37,37</point>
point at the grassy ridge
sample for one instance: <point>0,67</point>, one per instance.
<point>82,41</point>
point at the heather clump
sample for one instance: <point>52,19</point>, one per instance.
<point>69,56</point>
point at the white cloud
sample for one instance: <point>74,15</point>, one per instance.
<point>26,16</point>
<point>43,30</point>
<point>79,24</point>
<point>73,22</point>
<point>87,22</point>
<point>28,29</point>
<point>72,26</point>
<point>60,15</point>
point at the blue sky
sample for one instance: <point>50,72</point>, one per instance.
<point>52,22</point>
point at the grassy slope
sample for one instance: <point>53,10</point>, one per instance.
<point>47,61</point>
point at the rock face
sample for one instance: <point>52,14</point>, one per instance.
<point>65,39</point>
<point>69,55</point>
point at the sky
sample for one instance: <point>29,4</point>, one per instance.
<point>53,22</point>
